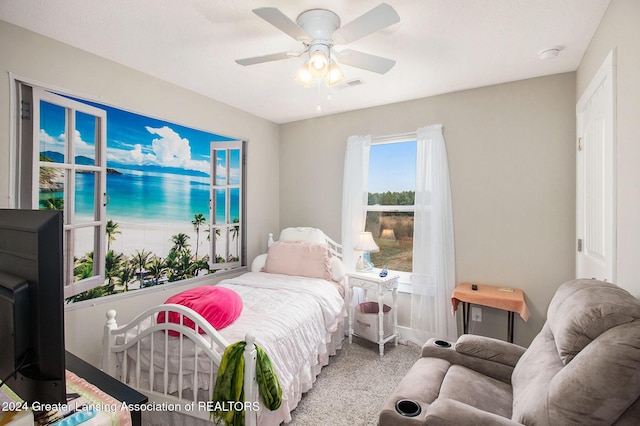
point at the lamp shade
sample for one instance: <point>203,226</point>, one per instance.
<point>388,234</point>
<point>366,243</point>
<point>318,64</point>
<point>334,74</point>
<point>303,76</point>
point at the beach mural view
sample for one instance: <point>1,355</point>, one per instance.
<point>158,189</point>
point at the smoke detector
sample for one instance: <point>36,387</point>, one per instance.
<point>547,54</point>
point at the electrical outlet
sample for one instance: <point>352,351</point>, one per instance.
<point>476,314</point>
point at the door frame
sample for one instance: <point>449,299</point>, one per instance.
<point>605,76</point>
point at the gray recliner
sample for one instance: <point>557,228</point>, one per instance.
<point>583,368</point>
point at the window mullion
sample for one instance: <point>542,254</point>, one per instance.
<point>379,208</point>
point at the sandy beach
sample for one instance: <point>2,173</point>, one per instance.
<point>155,238</point>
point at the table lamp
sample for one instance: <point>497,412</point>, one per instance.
<point>366,245</point>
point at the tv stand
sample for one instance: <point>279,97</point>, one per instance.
<point>107,384</point>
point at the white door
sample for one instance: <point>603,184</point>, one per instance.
<point>595,180</point>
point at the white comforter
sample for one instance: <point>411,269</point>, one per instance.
<point>292,318</point>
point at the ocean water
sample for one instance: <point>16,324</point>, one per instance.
<point>154,198</point>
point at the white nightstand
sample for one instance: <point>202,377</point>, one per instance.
<point>372,281</point>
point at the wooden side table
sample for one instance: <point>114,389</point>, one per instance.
<point>507,299</point>
<point>372,281</point>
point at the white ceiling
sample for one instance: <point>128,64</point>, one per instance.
<point>440,46</point>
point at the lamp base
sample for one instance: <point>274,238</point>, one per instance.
<point>364,263</point>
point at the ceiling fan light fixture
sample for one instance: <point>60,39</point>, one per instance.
<point>318,63</point>
<point>304,76</point>
<point>334,74</point>
<point>319,30</point>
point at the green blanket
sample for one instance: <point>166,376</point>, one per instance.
<point>230,380</point>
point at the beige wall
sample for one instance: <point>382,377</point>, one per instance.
<point>37,58</point>
<point>619,31</point>
<point>512,168</point>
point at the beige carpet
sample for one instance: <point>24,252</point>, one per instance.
<point>352,389</point>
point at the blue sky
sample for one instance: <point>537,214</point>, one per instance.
<point>134,140</point>
<point>392,167</point>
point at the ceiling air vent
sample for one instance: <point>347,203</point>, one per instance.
<point>350,83</point>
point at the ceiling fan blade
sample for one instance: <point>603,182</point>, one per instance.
<point>374,20</point>
<point>266,58</point>
<point>281,21</point>
<point>365,61</point>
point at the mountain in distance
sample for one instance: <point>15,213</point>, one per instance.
<point>57,157</point>
<point>159,169</point>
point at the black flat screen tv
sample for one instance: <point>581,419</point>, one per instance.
<point>32,353</point>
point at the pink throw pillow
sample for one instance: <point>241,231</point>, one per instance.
<point>220,306</point>
<point>299,258</point>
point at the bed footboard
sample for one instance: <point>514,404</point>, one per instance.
<point>171,362</point>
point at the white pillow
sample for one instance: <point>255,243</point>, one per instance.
<point>258,262</point>
<point>312,235</point>
<point>337,269</point>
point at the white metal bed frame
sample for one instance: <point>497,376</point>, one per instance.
<point>210,344</point>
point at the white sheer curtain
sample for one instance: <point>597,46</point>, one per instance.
<point>433,276</point>
<point>354,199</point>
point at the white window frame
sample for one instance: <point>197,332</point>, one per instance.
<point>225,227</point>
<point>405,277</point>
<point>70,167</point>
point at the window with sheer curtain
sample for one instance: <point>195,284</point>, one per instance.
<point>398,188</point>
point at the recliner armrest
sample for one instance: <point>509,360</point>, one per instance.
<point>490,349</point>
<point>445,411</point>
<point>491,357</point>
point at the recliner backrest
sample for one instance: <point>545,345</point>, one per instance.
<point>584,366</point>
<point>581,310</point>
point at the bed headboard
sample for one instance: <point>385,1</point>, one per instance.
<point>313,235</point>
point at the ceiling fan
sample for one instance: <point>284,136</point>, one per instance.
<point>319,31</point>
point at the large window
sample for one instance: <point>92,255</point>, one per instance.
<point>391,203</point>
<point>145,201</point>
<point>399,191</point>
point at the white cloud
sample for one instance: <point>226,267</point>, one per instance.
<point>167,150</point>
<point>57,144</point>
<point>170,149</point>
<point>84,148</point>
<point>51,143</point>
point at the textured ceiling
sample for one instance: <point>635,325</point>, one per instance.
<point>440,45</point>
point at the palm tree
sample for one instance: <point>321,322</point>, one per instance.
<point>157,268</point>
<point>52,203</point>
<point>201,265</point>
<point>89,294</point>
<point>172,265</point>
<point>83,267</point>
<point>180,242</point>
<point>112,264</point>
<point>198,220</point>
<point>235,231</point>
<point>112,230</point>
<point>185,267</point>
<point>140,260</point>
<point>127,273</point>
